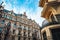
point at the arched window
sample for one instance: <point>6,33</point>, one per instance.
<point>25,35</point>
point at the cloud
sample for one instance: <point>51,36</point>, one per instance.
<point>15,10</point>
<point>28,1</point>
<point>8,6</point>
<point>33,12</point>
<point>35,15</point>
<point>38,18</point>
<point>22,9</point>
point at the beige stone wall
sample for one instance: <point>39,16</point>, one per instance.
<point>51,0</point>
<point>23,23</point>
<point>48,31</point>
<point>58,10</point>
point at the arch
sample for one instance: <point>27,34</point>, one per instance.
<point>52,12</point>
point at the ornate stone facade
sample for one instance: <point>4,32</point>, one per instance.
<point>17,26</point>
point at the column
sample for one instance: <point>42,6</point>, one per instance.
<point>22,34</point>
<point>48,33</point>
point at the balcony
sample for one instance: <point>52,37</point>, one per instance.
<point>45,23</point>
<point>25,35</point>
<point>15,26</point>
<point>2,23</point>
<point>1,28</point>
<point>24,28</point>
<point>20,28</point>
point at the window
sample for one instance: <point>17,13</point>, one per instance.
<point>13,31</point>
<point>34,37</point>
<point>13,37</point>
<point>10,18</point>
<point>15,25</point>
<point>5,15</point>
<point>57,17</point>
<point>52,18</point>
<point>29,38</point>
<point>24,28</point>
<point>28,28</point>
<point>24,38</point>
<point>9,24</point>
<point>28,34</point>
<point>3,21</point>
<point>19,35</point>
<point>14,18</point>
<point>44,36</point>
<point>24,33</point>
<point>55,33</point>
<point>0,15</point>
<point>20,27</point>
<point>9,12</point>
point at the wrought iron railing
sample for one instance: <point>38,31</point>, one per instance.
<point>49,23</point>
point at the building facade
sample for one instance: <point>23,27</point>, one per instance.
<point>17,26</point>
<point>51,26</point>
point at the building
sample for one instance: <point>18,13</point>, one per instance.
<point>17,26</point>
<point>51,26</point>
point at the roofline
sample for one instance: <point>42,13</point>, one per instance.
<point>40,3</point>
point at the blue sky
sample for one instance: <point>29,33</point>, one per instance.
<point>31,7</point>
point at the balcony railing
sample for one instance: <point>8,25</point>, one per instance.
<point>20,28</point>
<point>2,24</point>
<point>49,23</point>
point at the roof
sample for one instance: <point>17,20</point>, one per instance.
<point>13,12</point>
<point>6,11</point>
<point>19,14</point>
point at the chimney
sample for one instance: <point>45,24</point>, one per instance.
<point>24,13</point>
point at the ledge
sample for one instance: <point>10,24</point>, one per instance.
<point>50,23</point>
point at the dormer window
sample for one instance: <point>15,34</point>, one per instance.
<point>1,8</point>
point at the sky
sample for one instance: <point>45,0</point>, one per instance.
<point>31,7</point>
